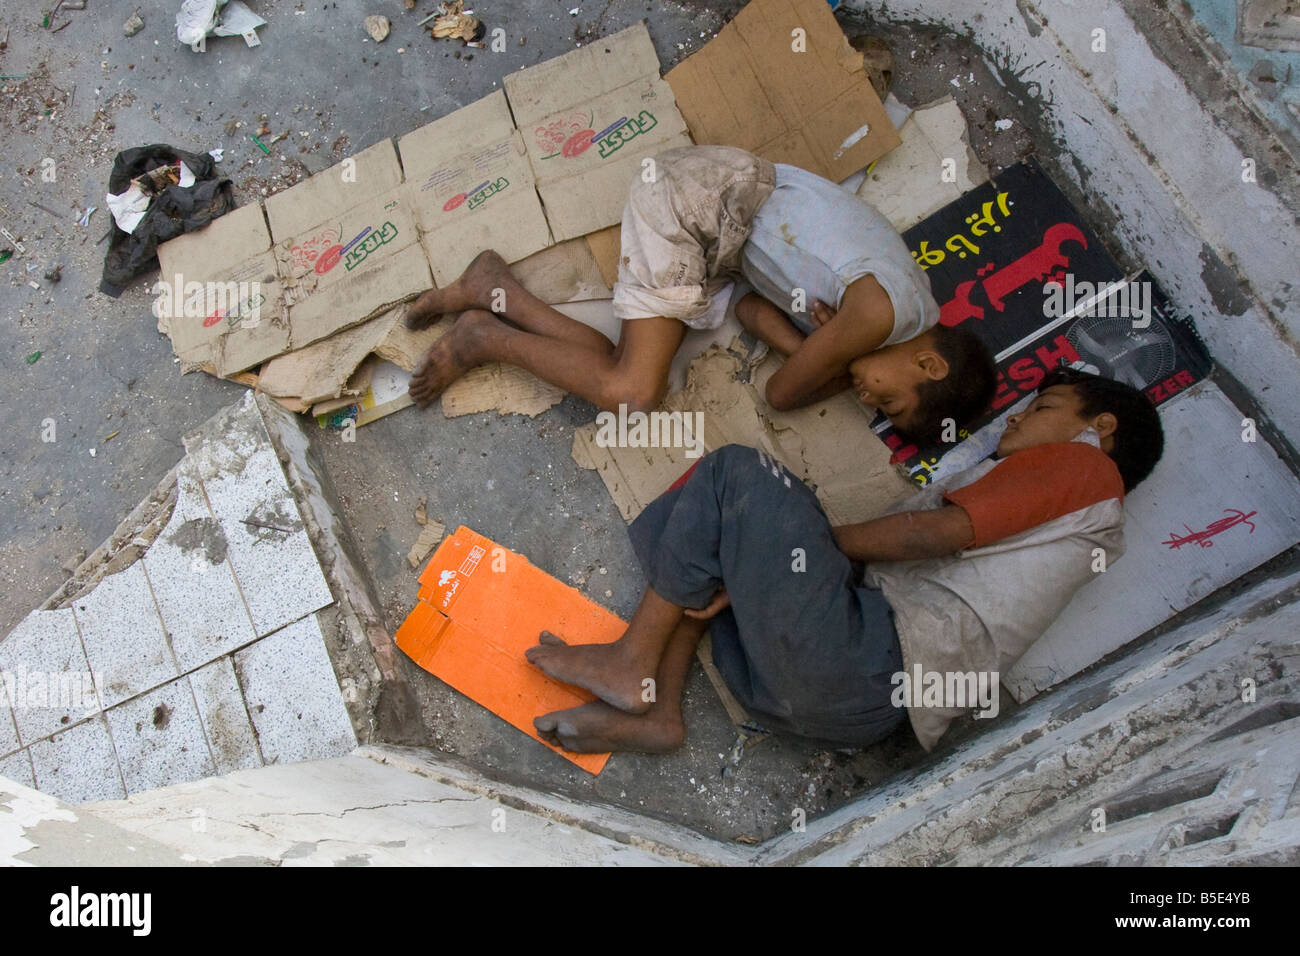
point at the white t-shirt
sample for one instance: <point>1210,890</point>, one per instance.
<point>810,234</point>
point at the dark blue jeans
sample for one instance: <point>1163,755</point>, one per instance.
<point>803,647</point>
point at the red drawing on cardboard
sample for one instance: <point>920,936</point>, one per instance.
<point>306,253</point>
<point>555,137</point>
<point>1234,517</point>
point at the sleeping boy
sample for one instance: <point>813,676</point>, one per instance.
<point>961,581</point>
<point>834,282</point>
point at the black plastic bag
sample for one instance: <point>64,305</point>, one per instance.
<point>175,210</point>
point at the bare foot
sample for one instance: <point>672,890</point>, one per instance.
<point>475,288</point>
<point>598,728</point>
<point>458,351</point>
<point>603,669</point>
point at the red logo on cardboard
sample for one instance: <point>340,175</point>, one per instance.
<point>454,202</point>
<point>328,259</point>
<point>578,143</point>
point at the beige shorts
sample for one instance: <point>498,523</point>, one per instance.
<point>683,230</point>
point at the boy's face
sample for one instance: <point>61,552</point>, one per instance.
<point>1055,415</point>
<point>888,379</point>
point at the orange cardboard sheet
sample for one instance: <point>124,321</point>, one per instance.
<point>480,607</point>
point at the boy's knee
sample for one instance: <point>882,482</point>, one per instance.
<point>633,392</point>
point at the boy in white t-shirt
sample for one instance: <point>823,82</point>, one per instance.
<point>833,285</point>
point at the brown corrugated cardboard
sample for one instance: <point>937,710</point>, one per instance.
<point>371,172</point>
<point>829,445</point>
<point>471,187</point>
<point>588,118</point>
<point>782,81</point>
<point>219,297</point>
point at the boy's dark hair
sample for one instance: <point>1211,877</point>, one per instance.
<point>1139,438</point>
<point>964,394</point>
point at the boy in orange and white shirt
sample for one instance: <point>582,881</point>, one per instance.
<point>960,580</point>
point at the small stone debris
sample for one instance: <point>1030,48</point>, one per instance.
<point>378,27</point>
<point>134,24</point>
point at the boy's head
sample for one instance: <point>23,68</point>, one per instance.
<point>946,372</point>
<point>1068,401</point>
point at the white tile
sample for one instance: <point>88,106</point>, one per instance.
<point>78,765</point>
<point>123,636</point>
<point>293,697</point>
<point>159,738</point>
<point>18,768</point>
<point>46,675</point>
<point>201,606</point>
<point>8,732</point>
<point>225,718</point>
<point>277,570</point>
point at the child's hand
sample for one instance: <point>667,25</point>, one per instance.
<point>821,313</point>
<point>720,600</point>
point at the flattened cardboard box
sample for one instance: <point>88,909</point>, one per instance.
<point>471,187</point>
<point>781,80</point>
<point>350,267</point>
<point>370,173</point>
<point>229,332</point>
<point>585,149</point>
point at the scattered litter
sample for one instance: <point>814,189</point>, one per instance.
<point>430,535</point>
<point>200,19</point>
<point>134,24</point>
<point>422,513</point>
<point>453,21</point>
<point>33,284</point>
<point>216,154</point>
<point>92,453</point>
<point>34,357</point>
<point>574,11</point>
<point>13,76</point>
<point>1004,124</point>
<point>192,195</point>
<point>260,145</point>
<point>44,209</point>
<point>54,274</point>
<point>378,27</point>
<point>84,219</point>
<point>6,255</point>
<point>10,236</point>
<point>110,436</point>
<point>129,207</point>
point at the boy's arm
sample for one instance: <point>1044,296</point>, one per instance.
<point>864,321</point>
<point>908,535</point>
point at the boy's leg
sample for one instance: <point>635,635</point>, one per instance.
<point>634,374</point>
<point>599,728</point>
<point>615,672</point>
<point>487,283</point>
<point>802,646</point>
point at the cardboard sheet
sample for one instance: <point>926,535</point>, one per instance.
<point>471,187</point>
<point>831,445</point>
<point>480,607</point>
<point>588,118</point>
<point>907,184</point>
<point>781,80</point>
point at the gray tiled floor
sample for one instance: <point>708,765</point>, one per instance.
<point>18,768</point>
<point>159,738</point>
<point>200,603</point>
<point>123,636</point>
<point>78,765</point>
<point>225,717</point>
<point>45,643</point>
<point>161,634</point>
<point>293,696</point>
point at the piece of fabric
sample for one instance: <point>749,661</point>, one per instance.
<point>682,231</point>
<point>175,210</point>
<point>804,649</point>
<point>1034,487</point>
<point>979,611</point>
<point>814,236</point>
